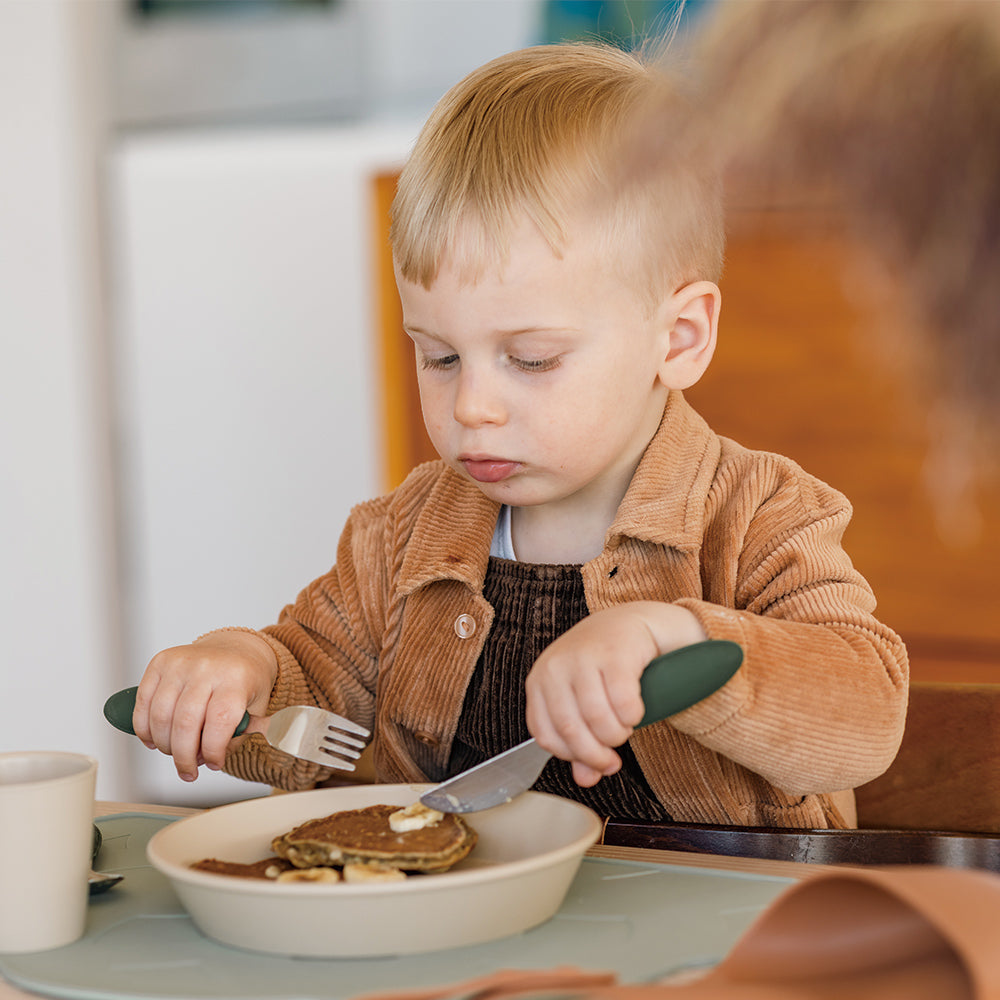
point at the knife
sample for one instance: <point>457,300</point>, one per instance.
<point>669,684</point>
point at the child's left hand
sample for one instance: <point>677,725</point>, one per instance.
<point>583,696</point>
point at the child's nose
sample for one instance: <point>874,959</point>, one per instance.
<point>478,401</point>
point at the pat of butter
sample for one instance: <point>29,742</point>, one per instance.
<point>414,817</point>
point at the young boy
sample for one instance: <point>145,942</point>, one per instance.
<point>583,518</point>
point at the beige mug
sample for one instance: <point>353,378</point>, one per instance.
<point>46,840</point>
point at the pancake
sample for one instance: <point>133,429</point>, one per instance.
<point>352,836</point>
<point>268,868</point>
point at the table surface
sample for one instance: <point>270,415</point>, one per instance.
<point>750,866</point>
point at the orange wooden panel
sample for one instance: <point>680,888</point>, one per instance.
<point>405,441</point>
<point>801,370</point>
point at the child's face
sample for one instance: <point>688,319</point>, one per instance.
<point>539,383</point>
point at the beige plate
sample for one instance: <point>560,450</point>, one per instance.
<point>515,878</point>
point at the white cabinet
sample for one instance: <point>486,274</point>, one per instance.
<point>247,396</point>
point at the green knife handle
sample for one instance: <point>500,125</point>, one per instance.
<point>683,677</point>
<point>119,707</point>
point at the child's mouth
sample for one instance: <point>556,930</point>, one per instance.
<point>488,470</point>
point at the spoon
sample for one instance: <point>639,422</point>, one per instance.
<point>100,881</point>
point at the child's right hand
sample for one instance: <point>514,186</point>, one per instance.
<point>191,698</point>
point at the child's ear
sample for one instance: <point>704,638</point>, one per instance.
<point>690,326</point>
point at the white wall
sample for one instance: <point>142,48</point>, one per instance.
<point>57,618</point>
<point>419,48</point>
<point>174,308</point>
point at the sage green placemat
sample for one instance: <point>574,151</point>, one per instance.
<point>639,920</point>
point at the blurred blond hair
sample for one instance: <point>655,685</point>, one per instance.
<point>896,106</point>
<point>539,133</point>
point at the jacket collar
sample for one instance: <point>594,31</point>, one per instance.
<point>451,537</point>
<point>665,502</point>
<point>664,505</point>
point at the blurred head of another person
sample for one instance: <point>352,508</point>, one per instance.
<point>896,107</point>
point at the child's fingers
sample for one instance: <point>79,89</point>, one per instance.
<point>185,734</point>
<point>222,715</point>
<point>587,777</point>
<point>625,699</point>
<point>599,715</point>
<point>555,720</point>
<point>140,714</point>
<point>160,716</point>
<point>155,699</point>
<point>550,710</point>
<point>579,709</point>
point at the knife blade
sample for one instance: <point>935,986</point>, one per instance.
<point>669,684</point>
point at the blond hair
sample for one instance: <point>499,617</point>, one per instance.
<point>540,133</point>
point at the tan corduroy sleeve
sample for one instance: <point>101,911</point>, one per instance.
<point>327,644</point>
<point>820,700</point>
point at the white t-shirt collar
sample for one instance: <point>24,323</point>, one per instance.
<point>502,545</point>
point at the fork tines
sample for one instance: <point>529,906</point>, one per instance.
<point>341,743</point>
<point>341,748</point>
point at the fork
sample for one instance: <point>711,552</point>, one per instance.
<point>302,731</point>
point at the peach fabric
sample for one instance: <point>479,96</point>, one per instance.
<point>901,933</point>
<point>509,983</point>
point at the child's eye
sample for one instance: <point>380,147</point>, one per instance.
<point>439,364</point>
<point>536,364</point>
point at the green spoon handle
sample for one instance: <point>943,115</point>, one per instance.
<point>119,707</point>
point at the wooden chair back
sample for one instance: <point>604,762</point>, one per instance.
<point>947,773</point>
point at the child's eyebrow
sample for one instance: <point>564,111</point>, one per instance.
<point>411,328</point>
<point>555,332</point>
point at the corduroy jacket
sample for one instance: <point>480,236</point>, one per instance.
<point>744,539</point>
